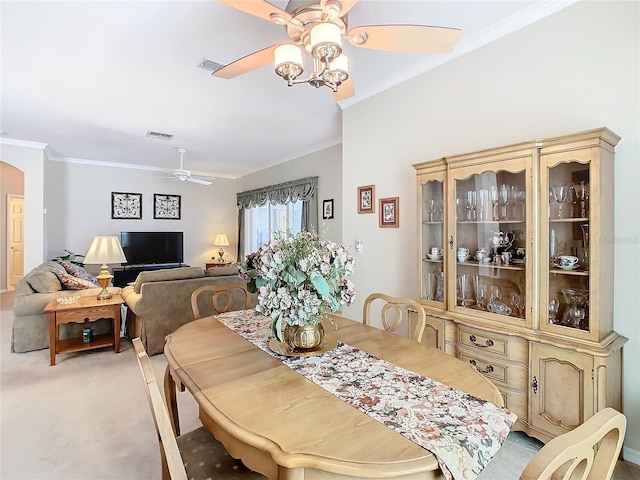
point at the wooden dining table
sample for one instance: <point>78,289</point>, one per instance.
<point>288,428</point>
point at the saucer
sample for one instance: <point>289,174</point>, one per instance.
<point>570,267</point>
<point>434,257</point>
<point>468,258</point>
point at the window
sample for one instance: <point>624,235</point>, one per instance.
<point>261,222</point>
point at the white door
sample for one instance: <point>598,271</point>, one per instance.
<point>15,232</point>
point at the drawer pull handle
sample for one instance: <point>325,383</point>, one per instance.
<point>487,344</point>
<point>489,368</point>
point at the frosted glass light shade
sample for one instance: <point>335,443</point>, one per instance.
<point>341,64</point>
<point>288,54</point>
<point>326,41</point>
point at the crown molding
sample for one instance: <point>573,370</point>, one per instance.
<point>23,143</point>
<point>466,45</point>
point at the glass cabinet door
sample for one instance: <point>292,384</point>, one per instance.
<point>489,243</point>
<point>568,206</point>
<point>432,203</point>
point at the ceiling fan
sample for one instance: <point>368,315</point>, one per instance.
<point>318,26</point>
<point>185,175</point>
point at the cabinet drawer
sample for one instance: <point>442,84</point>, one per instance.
<point>79,316</point>
<point>513,348</point>
<point>499,372</point>
<point>517,402</point>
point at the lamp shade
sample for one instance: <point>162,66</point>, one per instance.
<point>105,249</point>
<point>221,240</point>
<point>288,54</point>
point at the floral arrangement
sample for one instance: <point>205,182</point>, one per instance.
<point>298,278</point>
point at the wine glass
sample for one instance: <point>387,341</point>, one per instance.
<point>554,306</point>
<point>493,195</point>
<point>440,208</point>
<point>468,205</point>
<point>560,195</point>
<point>430,205</point>
<point>577,314</point>
<point>581,190</point>
<point>522,197</point>
<point>494,294</point>
<point>503,198</point>
<point>513,200</point>
<point>463,285</point>
<point>516,301</point>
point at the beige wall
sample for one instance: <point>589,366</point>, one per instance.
<point>11,183</point>
<point>79,207</point>
<point>327,165</point>
<point>576,70</point>
<point>29,158</point>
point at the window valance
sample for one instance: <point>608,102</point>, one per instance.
<point>303,189</point>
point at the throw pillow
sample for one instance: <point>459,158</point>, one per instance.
<point>78,272</point>
<point>222,271</point>
<point>72,283</point>
<point>164,275</point>
<point>43,281</point>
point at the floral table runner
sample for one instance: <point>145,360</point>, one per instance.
<point>462,431</point>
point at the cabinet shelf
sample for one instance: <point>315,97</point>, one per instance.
<point>493,265</point>
<point>489,222</point>
<point>569,220</point>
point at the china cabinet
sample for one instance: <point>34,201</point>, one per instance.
<point>516,273</point>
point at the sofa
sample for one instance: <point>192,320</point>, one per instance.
<point>45,283</point>
<point>159,301</point>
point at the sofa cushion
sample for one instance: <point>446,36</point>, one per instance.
<point>72,283</point>
<point>43,280</point>
<point>222,271</point>
<point>166,274</point>
<point>78,272</point>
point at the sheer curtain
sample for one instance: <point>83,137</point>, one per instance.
<point>304,189</point>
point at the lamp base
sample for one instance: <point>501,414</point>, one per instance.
<point>104,279</point>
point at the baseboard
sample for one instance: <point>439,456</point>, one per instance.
<point>631,455</point>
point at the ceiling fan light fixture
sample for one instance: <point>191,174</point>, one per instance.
<point>288,62</point>
<point>326,41</point>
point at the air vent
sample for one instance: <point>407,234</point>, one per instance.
<point>210,65</point>
<point>158,135</point>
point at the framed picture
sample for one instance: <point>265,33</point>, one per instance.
<point>327,209</point>
<point>389,212</point>
<point>166,207</point>
<point>366,199</point>
<point>126,205</point>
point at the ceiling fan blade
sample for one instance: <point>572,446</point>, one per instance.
<point>247,63</point>
<point>406,38</point>
<point>345,90</point>
<point>197,180</point>
<point>259,8</point>
<point>345,5</point>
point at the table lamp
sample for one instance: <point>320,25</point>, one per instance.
<point>221,240</point>
<point>104,249</point>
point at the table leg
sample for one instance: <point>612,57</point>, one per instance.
<point>116,327</point>
<point>171,401</point>
<point>53,338</point>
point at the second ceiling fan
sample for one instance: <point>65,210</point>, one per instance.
<point>318,27</point>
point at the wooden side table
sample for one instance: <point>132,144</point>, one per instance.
<point>215,264</point>
<point>86,309</point>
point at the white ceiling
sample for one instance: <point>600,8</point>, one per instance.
<point>90,78</point>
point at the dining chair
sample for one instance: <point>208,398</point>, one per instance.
<point>398,307</point>
<point>590,451</point>
<point>193,455</point>
<point>222,298</point>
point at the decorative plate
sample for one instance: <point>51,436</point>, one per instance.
<point>282,349</point>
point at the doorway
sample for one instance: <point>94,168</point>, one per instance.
<point>15,239</point>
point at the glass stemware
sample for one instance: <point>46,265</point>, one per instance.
<point>430,205</point>
<point>503,198</point>
<point>463,285</point>
<point>581,190</point>
<point>554,307</point>
<point>517,303</point>
<point>440,208</point>
<point>560,196</point>
<point>493,196</point>
<point>522,197</point>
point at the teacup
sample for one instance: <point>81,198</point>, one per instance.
<point>463,252</point>
<point>436,252</point>
<point>567,261</point>
<point>481,255</point>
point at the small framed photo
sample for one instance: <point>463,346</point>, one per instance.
<point>327,209</point>
<point>166,207</point>
<point>366,199</point>
<point>126,205</point>
<point>389,212</point>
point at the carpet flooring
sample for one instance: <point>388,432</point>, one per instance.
<point>87,417</point>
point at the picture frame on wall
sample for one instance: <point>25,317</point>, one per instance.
<point>366,199</point>
<point>166,207</point>
<point>126,205</point>
<point>389,212</point>
<point>327,209</point>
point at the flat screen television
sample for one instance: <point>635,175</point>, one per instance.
<point>146,248</point>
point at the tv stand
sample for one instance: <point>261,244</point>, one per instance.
<point>128,273</point>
